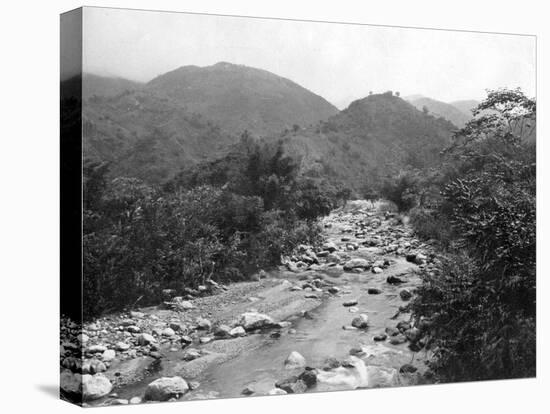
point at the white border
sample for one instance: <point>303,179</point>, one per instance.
<point>30,185</point>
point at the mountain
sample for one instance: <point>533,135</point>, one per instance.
<point>465,106</point>
<point>442,109</point>
<point>106,86</point>
<point>148,136</point>
<point>242,98</point>
<point>374,137</point>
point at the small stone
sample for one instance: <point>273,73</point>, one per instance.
<point>374,291</point>
<point>146,339</point>
<point>353,309</point>
<point>122,346</point>
<point>95,349</point>
<point>331,363</point>
<point>394,280</point>
<point>247,391</point>
<point>358,352</point>
<point>137,315</point>
<point>191,354</point>
<point>391,331</point>
<point>276,391</point>
<point>133,329</point>
<point>168,332</point>
<point>350,303</point>
<point>204,324</point>
<point>222,331</point>
<point>292,385</point>
<point>135,400</point>
<point>360,322</point>
<point>186,340</point>
<point>193,385</point>
<point>308,377</point>
<point>237,331</point>
<point>407,369</point>
<point>398,339</point>
<point>380,337</point>
<point>405,294</point>
<point>377,270</point>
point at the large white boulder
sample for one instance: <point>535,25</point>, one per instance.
<point>254,320</point>
<point>165,388</point>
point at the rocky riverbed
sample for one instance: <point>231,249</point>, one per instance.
<point>330,318</point>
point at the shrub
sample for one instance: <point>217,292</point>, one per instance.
<point>401,190</point>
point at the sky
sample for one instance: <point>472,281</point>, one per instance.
<point>340,62</point>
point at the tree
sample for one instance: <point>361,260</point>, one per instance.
<point>482,304</point>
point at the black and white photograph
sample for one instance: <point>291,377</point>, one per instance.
<point>274,207</point>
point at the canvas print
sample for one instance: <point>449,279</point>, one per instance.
<point>260,207</point>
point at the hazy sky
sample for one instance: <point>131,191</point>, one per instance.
<point>337,61</point>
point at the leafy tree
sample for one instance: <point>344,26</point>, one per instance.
<point>482,305</point>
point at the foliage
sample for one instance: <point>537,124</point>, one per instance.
<point>483,302</point>
<point>401,190</point>
<point>139,239</point>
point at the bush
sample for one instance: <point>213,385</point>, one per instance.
<point>401,190</point>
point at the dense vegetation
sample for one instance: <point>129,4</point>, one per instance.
<point>372,139</point>
<point>480,307</point>
<point>210,223</point>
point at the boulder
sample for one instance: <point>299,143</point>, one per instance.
<point>95,386</point>
<point>70,383</point>
<point>254,320</point>
<point>166,388</point>
<point>295,360</point>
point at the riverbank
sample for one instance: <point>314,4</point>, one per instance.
<point>342,307</point>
